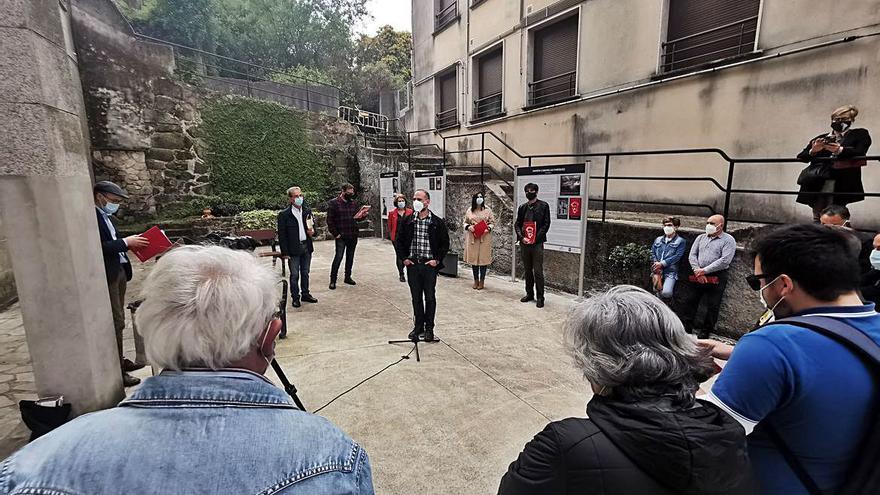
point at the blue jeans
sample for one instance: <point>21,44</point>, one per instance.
<point>299,274</point>
<point>669,280</point>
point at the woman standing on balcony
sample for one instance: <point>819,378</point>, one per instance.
<point>837,181</point>
<point>478,224</point>
<point>395,218</point>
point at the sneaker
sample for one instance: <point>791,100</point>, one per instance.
<point>128,365</point>
<point>349,281</point>
<point>309,299</point>
<point>130,381</point>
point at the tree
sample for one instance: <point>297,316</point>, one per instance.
<point>381,63</point>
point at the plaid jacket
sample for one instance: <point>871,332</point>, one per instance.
<point>340,217</point>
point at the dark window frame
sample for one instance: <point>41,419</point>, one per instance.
<point>489,106</point>
<point>445,17</point>
<point>558,88</point>
<point>446,118</point>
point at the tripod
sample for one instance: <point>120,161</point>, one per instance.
<point>282,315</point>
<point>415,342</point>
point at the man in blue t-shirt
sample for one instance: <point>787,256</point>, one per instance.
<point>817,394</point>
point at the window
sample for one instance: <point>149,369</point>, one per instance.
<point>488,79</point>
<point>703,31</point>
<point>554,70</point>
<point>446,91</point>
<point>445,11</point>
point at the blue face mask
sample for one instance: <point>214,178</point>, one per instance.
<point>110,208</point>
<point>298,201</point>
<point>875,259</point>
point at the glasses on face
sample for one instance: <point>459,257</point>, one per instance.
<point>754,281</point>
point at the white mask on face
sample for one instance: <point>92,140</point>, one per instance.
<point>418,206</point>
<point>769,316</point>
<point>401,204</point>
<point>479,201</point>
<point>711,229</point>
<point>668,230</point>
<point>875,259</point>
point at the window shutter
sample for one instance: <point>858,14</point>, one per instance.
<point>556,49</point>
<point>448,92</point>
<point>695,17</point>
<point>490,74</point>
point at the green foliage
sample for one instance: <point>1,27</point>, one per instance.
<point>382,62</point>
<point>257,150</point>
<point>257,220</point>
<point>630,258</point>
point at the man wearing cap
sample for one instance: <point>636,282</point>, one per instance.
<point>118,269</point>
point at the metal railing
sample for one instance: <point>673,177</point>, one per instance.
<point>488,106</point>
<point>363,118</point>
<point>552,89</point>
<point>726,187</point>
<point>729,40</point>
<point>446,118</point>
<point>445,15</point>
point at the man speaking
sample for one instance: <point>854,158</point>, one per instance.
<point>422,244</point>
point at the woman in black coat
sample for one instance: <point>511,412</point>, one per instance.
<point>646,433</point>
<point>837,181</point>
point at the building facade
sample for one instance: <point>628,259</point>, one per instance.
<point>755,78</point>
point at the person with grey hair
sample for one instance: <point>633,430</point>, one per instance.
<point>646,433</point>
<point>210,422</point>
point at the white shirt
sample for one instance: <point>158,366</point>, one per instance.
<point>112,229</point>
<point>298,214</point>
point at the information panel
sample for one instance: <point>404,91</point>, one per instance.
<point>434,182</point>
<point>564,188</point>
<point>389,185</point>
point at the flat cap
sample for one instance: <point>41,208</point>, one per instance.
<point>105,186</point>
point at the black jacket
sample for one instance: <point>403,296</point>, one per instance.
<point>438,237</point>
<point>848,180</point>
<point>542,220</point>
<point>288,233</point>
<point>111,249</point>
<point>629,449</point>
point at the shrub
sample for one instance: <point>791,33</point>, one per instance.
<point>257,220</point>
<point>630,258</point>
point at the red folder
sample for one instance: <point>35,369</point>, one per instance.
<point>159,243</point>
<point>480,229</point>
<point>361,213</point>
<point>530,232</point>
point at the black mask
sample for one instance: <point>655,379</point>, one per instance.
<point>348,195</point>
<point>841,126</point>
<point>531,195</point>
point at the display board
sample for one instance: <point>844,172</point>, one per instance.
<point>434,182</point>
<point>389,185</point>
<point>565,189</point>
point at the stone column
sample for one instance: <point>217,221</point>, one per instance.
<point>47,210</point>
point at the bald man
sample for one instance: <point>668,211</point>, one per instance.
<point>870,284</point>
<point>710,259</point>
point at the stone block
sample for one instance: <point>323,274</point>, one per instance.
<point>156,165</point>
<point>166,104</point>
<point>160,154</point>
<point>165,127</point>
<point>40,140</point>
<point>186,154</point>
<point>169,140</point>
<point>40,16</point>
<point>201,168</point>
<point>167,87</point>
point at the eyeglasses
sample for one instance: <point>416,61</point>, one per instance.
<point>754,281</point>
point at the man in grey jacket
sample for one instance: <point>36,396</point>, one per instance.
<point>710,259</point>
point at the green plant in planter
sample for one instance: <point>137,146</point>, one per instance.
<point>631,261</point>
<point>257,220</point>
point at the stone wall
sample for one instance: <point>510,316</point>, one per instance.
<point>7,278</point>
<point>309,97</point>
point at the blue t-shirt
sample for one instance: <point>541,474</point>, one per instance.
<point>815,392</point>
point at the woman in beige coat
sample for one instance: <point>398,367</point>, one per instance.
<point>478,251</point>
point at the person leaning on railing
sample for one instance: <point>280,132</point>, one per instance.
<point>837,181</point>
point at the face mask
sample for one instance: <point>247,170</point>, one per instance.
<point>348,195</point>
<point>840,126</point>
<point>298,201</point>
<point>769,315</point>
<point>668,230</point>
<point>711,229</point>
<point>875,259</point>
<point>479,201</point>
<point>418,205</point>
<point>531,195</point>
<point>110,208</point>
<point>401,204</point>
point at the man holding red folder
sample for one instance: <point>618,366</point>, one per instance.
<point>532,225</point>
<point>117,267</point>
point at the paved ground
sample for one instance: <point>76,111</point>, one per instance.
<point>449,424</point>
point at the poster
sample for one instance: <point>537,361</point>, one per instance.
<point>433,181</point>
<point>564,188</point>
<point>389,185</point>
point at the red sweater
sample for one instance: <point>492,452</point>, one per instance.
<point>392,221</point>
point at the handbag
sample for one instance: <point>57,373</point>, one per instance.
<point>815,175</point>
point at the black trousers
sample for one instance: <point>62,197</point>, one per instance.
<point>690,302</point>
<point>344,246</point>
<point>422,282</point>
<point>399,265</point>
<point>533,262</point>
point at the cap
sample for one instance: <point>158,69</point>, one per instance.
<point>105,186</point>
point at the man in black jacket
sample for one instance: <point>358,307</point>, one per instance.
<point>117,267</point>
<point>422,244</point>
<point>296,227</point>
<point>532,224</point>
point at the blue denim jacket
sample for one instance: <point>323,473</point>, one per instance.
<point>668,253</point>
<point>225,432</point>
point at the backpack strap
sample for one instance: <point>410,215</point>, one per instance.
<point>853,339</point>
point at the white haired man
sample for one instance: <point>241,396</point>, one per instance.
<point>210,422</point>
<point>296,227</point>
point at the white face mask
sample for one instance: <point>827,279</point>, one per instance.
<point>875,259</point>
<point>711,229</point>
<point>668,230</point>
<point>418,206</point>
<point>401,204</point>
<point>479,201</point>
<point>769,316</point>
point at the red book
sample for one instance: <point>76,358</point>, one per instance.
<point>530,232</point>
<point>159,243</point>
<point>361,213</point>
<point>480,229</point>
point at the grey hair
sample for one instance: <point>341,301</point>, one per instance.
<point>205,306</point>
<point>630,342</point>
<point>292,190</point>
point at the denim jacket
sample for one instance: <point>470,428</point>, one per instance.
<point>668,253</point>
<point>223,432</point>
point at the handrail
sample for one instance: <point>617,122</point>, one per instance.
<point>711,30</point>
<point>567,74</point>
<point>444,10</point>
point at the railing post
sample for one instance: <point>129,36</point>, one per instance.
<point>482,161</point>
<point>444,152</point>
<point>386,136</point>
<point>308,98</point>
<point>742,32</point>
<point>408,151</point>
<point>530,162</point>
<point>730,166</point>
<point>605,187</point>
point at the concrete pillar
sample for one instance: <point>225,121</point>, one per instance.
<point>46,208</point>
